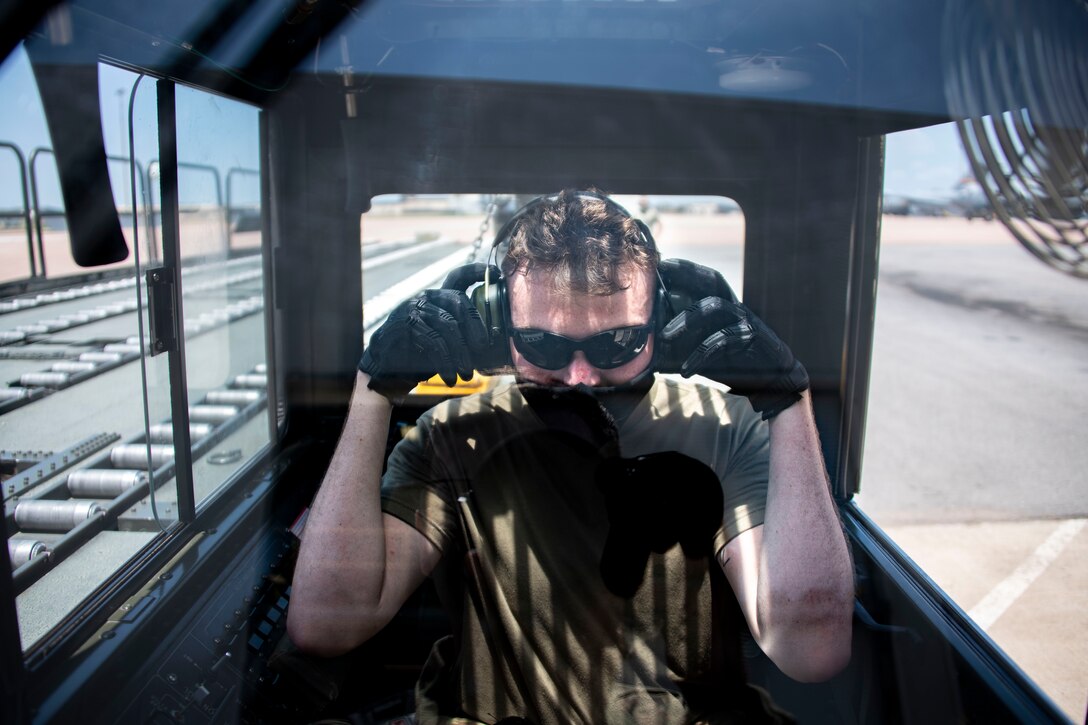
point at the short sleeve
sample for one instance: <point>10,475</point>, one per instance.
<point>415,488</point>
<point>747,468</point>
<point>720,429</point>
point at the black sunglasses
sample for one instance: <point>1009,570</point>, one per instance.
<point>606,350</point>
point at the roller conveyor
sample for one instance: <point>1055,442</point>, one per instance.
<point>126,283</point>
<point>69,372</point>
<point>28,320</point>
<point>70,506</point>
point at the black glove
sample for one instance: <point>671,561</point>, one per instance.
<point>435,332</point>
<point>726,342</point>
<point>686,280</point>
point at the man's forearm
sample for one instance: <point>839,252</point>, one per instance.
<point>805,593</point>
<point>341,565</point>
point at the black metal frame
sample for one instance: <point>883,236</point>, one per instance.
<point>1018,698</point>
<point>171,252</point>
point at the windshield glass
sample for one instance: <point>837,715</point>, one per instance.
<point>965,314</point>
<point>544,361</point>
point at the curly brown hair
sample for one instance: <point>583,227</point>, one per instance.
<point>585,242</point>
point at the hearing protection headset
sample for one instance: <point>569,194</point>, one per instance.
<point>489,296</point>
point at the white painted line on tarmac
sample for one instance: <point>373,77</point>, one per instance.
<point>378,307</point>
<point>1001,597</point>
<point>379,260</point>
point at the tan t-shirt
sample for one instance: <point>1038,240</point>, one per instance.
<point>523,524</point>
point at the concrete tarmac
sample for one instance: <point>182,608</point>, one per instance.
<point>974,459</point>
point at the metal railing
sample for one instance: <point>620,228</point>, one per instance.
<point>32,213</point>
<point>25,214</point>
<point>232,174</point>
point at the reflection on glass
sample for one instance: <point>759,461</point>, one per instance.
<point>222,285</point>
<point>88,416</point>
<point>85,389</point>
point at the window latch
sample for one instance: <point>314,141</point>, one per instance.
<point>161,312</point>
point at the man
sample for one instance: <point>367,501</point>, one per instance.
<point>649,215</point>
<point>564,518</point>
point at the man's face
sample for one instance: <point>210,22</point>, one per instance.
<point>536,304</point>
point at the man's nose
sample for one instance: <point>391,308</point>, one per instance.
<point>580,371</point>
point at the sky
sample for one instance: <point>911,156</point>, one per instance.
<point>212,131</point>
<point>925,163</point>
<point>218,132</point>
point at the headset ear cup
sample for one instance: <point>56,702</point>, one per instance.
<point>490,301</point>
<point>503,310</point>
<point>499,311</point>
<point>661,308</point>
<point>500,319</point>
<point>480,303</point>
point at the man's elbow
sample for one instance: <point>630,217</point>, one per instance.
<point>812,647</point>
<point>820,659</point>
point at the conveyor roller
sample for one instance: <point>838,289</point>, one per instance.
<point>232,397</point>
<point>251,381</point>
<point>20,551</point>
<point>72,366</point>
<point>100,356</point>
<point>104,482</point>
<point>51,515</point>
<point>43,380</point>
<point>164,432</point>
<point>212,413</point>
<point>122,348</point>
<point>135,455</point>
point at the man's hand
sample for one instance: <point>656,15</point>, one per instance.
<point>726,342</point>
<point>437,332</point>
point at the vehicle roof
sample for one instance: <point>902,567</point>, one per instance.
<point>875,57</point>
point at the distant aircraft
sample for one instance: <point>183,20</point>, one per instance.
<point>902,205</point>
<point>970,200</point>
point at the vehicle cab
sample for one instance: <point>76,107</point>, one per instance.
<point>216,204</point>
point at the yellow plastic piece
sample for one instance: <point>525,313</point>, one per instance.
<point>434,386</point>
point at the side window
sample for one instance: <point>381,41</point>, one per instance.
<point>90,470</point>
<point>973,462</point>
<point>222,285</point>
<point>222,278</point>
